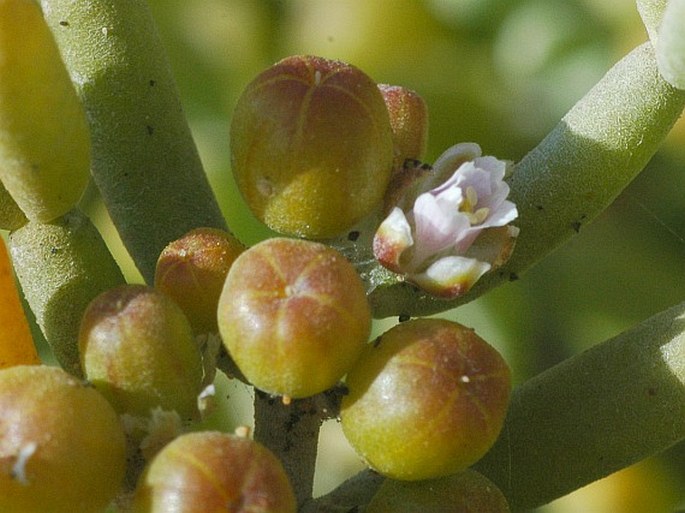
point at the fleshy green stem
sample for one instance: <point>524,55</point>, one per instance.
<point>603,142</point>
<point>61,267</point>
<point>144,160</point>
<point>593,414</point>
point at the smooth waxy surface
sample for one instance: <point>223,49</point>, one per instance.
<point>62,449</point>
<point>311,146</point>
<point>211,471</point>
<point>427,399</point>
<point>293,315</point>
<point>138,350</point>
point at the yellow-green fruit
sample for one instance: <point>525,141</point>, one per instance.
<point>427,399</point>
<point>293,315</point>
<point>138,350</point>
<point>212,472</point>
<point>44,138</point>
<point>62,448</point>
<point>465,492</point>
<point>311,146</point>
<point>192,269</point>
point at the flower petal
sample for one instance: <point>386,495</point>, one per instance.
<point>450,276</point>
<point>391,239</point>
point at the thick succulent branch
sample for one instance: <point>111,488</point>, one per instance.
<point>144,160</point>
<point>599,146</point>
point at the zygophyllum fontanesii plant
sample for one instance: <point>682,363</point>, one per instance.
<point>85,88</point>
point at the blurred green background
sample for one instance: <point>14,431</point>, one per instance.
<point>497,72</point>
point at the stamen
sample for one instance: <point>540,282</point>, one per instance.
<point>470,201</point>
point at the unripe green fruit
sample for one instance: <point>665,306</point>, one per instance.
<point>192,269</point>
<point>427,399</point>
<point>409,121</point>
<point>311,146</point>
<point>465,492</point>
<point>138,350</point>
<point>62,449</point>
<point>293,315</point>
<point>211,472</point>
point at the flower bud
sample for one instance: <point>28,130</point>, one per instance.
<point>293,315</point>
<point>427,399</point>
<point>409,121</point>
<point>311,146</point>
<point>211,471</point>
<point>138,350</point>
<point>44,137</point>
<point>192,270</point>
<point>62,448</point>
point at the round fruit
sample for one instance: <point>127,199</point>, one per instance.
<point>465,492</point>
<point>427,399</point>
<point>62,449</point>
<point>192,271</point>
<point>138,350</point>
<point>293,316</point>
<point>311,146</point>
<point>211,471</point>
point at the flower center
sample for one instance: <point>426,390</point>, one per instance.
<point>469,204</point>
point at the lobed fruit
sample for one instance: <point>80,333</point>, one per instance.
<point>465,492</point>
<point>311,146</point>
<point>293,315</point>
<point>138,350</point>
<point>427,399</point>
<point>62,449</point>
<point>212,471</point>
<point>192,270</point>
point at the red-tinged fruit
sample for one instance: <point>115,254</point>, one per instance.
<point>210,471</point>
<point>62,448</point>
<point>464,492</point>
<point>192,270</point>
<point>426,399</point>
<point>293,315</point>
<point>311,146</point>
<point>138,350</point>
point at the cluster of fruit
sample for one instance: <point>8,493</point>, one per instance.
<point>316,147</point>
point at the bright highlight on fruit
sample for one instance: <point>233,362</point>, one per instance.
<point>138,350</point>
<point>44,137</point>
<point>192,271</point>
<point>16,342</point>
<point>62,449</point>
<point>293,316</point>
<point>311,146</point>
<point>427,399</point>
<point>211,471</point>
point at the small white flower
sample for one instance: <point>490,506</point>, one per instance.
<point>433,237</point>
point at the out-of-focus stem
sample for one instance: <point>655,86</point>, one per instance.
<point>62,266</point>
<point>599,146</point>
<point>670,44</point>
<point>144,160</point>
<point>593,414</point>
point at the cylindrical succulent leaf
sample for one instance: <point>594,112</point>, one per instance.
<point>44,138</point>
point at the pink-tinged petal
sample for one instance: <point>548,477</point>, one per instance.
<point>437,226</point>
<point>450,160</point>
<point>450,276</point>
<point>392,238</point>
